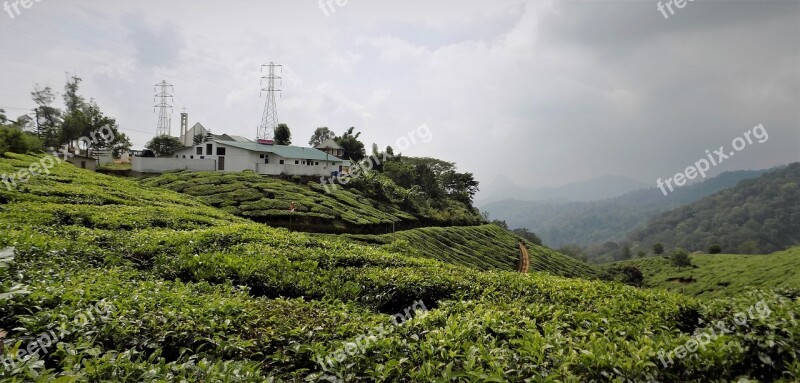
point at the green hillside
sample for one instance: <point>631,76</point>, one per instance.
<point>594,222</point>
<point>722,275</point>
<point>486,247</point>
<point>267,200</point>
<point>138,283</point>
<point>756,216</point>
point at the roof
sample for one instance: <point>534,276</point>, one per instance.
<point>328,144</point>
<point>227,137</point>
<point>293,152</point>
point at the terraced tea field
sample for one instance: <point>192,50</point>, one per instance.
<point>195,293</point>
<point>721,275</point>
<point>486,247</point>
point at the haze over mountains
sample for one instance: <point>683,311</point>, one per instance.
<point>602,187</point>
<point>584,222</point>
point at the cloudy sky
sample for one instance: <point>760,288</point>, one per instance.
<point>541,92</point>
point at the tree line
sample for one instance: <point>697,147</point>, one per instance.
<point>53,127</point>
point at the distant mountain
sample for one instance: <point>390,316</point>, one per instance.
<point>590,190</point>
<point>585,223</point>
<point>761,215</point>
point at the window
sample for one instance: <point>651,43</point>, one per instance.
<point>261,156</point>
<point>176,156</point>
<point>266,159</point>
<point>199,150</point>
<point>208,149</point>
<point>281,162</point>
<point>296,162</point>
<point>191,157</point>
<point>202,157</point>
<point>316,163</point>
<point>220,151</point>
<point>184,156</point>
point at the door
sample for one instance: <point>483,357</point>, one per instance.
<point>221,163</point>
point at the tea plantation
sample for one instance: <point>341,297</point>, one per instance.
<point>486,247</point>
<point>268,200</point>
<point>722,275</point>
<point>197,294</point>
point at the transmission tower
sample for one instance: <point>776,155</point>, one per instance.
<point>164,109</point>
<point>269,121</point>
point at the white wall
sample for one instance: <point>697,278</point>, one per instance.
<point>161,165</point>
<point>237,160</point>
<point>295,170</point>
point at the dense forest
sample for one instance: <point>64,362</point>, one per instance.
<point>757,216</point>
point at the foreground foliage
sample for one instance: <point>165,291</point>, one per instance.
<point>197,294</point>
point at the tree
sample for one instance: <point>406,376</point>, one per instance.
<point>573,251</point>
<point>680,258</point>
<point>282,134</point>
<point>75,120</point>
<point>85,119</point>
<point>321,135</point>
<point>164,145</point>
<point>500,223</point>
<point>714,249</point>
<point>120,144</point>
<point>460,186</point>
<point>658,249</point>
<point>625,253</point>
<point>627,274</point>
<point>13,139</point>
<point>199,138</point>
<point>353,148</point>
<point>49,118</point>
<point>528,235</point>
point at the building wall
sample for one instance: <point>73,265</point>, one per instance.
<point>237,160</point>
<point>161,165</point>
<point>85,163</point>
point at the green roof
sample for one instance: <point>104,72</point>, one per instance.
<point>293,152</point>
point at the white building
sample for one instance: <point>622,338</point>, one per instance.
<point>236,154</point>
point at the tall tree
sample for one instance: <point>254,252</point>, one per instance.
<point>75,118</point>
<point>48,117</point>
<point>321,135</point>
<point>282,134</point>
<point>353,148</point>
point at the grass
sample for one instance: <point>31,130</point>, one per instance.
<point>485,247</point>
<point>199,294</point>
<point>116,166</point>
<point>722,275</point>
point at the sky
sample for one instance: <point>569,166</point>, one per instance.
<point>542,93</point>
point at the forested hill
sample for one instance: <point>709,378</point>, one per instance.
<point>761,215</point>
<point>587,223</point>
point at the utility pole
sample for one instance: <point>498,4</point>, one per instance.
<point>269,120</point>
<point>164,109</point>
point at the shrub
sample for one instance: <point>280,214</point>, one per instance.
<point>17,141</point>
<point>680,258</point>
<point>714,249</point>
